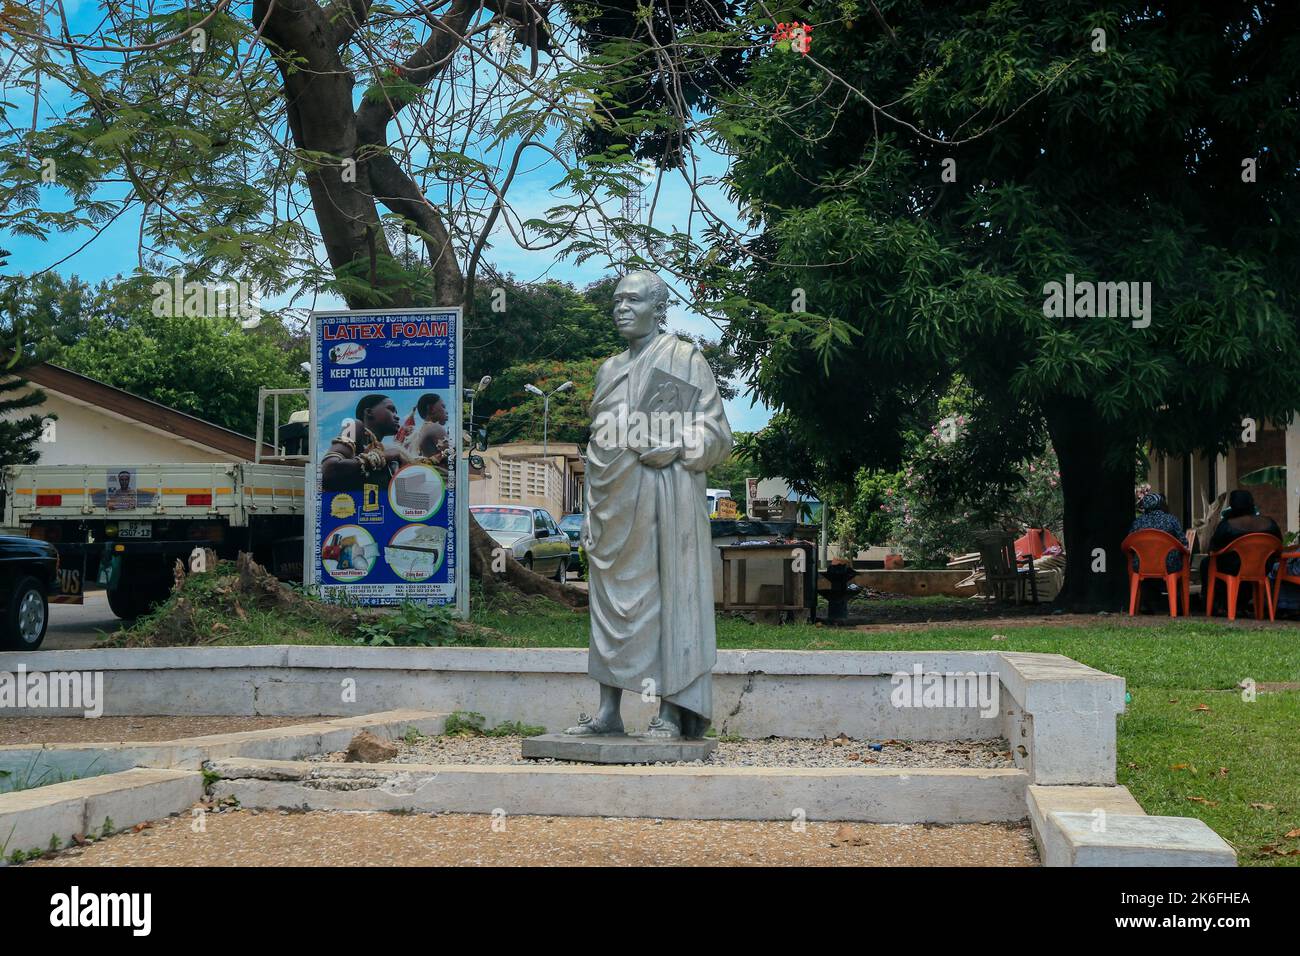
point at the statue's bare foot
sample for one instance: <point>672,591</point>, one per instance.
<point>600,725</point>
<point>660,729</point>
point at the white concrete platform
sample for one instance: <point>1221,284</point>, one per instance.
<point>869,795</point>
<point>1058,714</point>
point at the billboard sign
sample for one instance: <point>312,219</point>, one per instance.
<point>389,516</point>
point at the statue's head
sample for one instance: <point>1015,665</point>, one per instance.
<point>640,304</point>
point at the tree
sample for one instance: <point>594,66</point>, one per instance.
<point>731,474</point>
<point>19,432</point>
<point>544,334</point>
<point>518,413</point>
<point>921,239</point>
<point>533,322</point>
<point>245,148</point>
<point>207,366</point>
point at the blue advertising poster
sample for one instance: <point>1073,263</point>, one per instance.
<point>386,522</point>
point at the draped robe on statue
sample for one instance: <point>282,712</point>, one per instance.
<point>649,549</point>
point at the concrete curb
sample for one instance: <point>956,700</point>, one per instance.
<point>1105,826</point>
<point>870,795</point>
<point>1063,714</point>
<point>190,753</point>
<point>30,818</point>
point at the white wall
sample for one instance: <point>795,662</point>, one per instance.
<point>488,491</point>
<point>92,436</point>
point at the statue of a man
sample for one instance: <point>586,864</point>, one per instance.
<point>658,425</point>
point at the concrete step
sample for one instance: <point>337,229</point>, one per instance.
<point>30,818</point>
<point>872,795</point>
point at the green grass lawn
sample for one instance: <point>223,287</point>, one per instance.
<point>1236,765</point>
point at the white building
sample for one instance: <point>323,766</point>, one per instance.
<point>516,473</point>
<point>98,424</point>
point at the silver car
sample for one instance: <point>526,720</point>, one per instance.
<point>530,534</point>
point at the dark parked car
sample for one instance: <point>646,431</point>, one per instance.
<point>571,525</point>
<point>29,572</point>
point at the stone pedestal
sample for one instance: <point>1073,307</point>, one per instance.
<point>615,749</point>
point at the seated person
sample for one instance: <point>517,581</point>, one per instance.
<point>1289,599</point>
<point>1241,518</point>
<point>1153,512</point>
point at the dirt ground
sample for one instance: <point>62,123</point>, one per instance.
<point>80,730</point>
<point>275,838</point>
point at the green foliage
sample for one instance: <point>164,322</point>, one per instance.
<point>514,728</point>
<point>29,778</point>
<point>207,366</point>
<point>413,625</point>
<point>536,322</point>
<point>1122,167</point>
<point>517,415</point>
<point>19,432</point>
<point>732,472</point>
<point>931,527</point>
<point>1272,475</point>
<point>412,736</point>
<point>544,334</point>
<point>463,723</point>
<point>864,520</point>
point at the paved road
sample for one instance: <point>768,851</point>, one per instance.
<point>74,626</point>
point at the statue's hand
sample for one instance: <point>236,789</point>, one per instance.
<point>661,457</point>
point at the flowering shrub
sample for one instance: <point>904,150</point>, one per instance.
<point>929,530</point>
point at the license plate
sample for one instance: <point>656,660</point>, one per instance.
<point>135,529</point>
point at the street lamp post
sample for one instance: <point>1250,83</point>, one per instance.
<point>471,394</point>
<point>546,410</point>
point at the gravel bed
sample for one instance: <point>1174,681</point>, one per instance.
<point>771,752</point>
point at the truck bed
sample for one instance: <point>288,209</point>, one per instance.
<point>236,491</point>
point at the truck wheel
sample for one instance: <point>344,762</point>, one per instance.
<point>26,617</point>
<point>141,586</point>
<point>122,603</point>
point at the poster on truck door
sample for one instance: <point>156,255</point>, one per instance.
<point>387,521</point>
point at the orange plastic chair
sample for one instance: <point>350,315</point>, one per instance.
<point>1254,551</point>
<point>1283,576</point>
<point>1150,546</point>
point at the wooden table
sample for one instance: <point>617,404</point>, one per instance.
<point>794,585</point>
